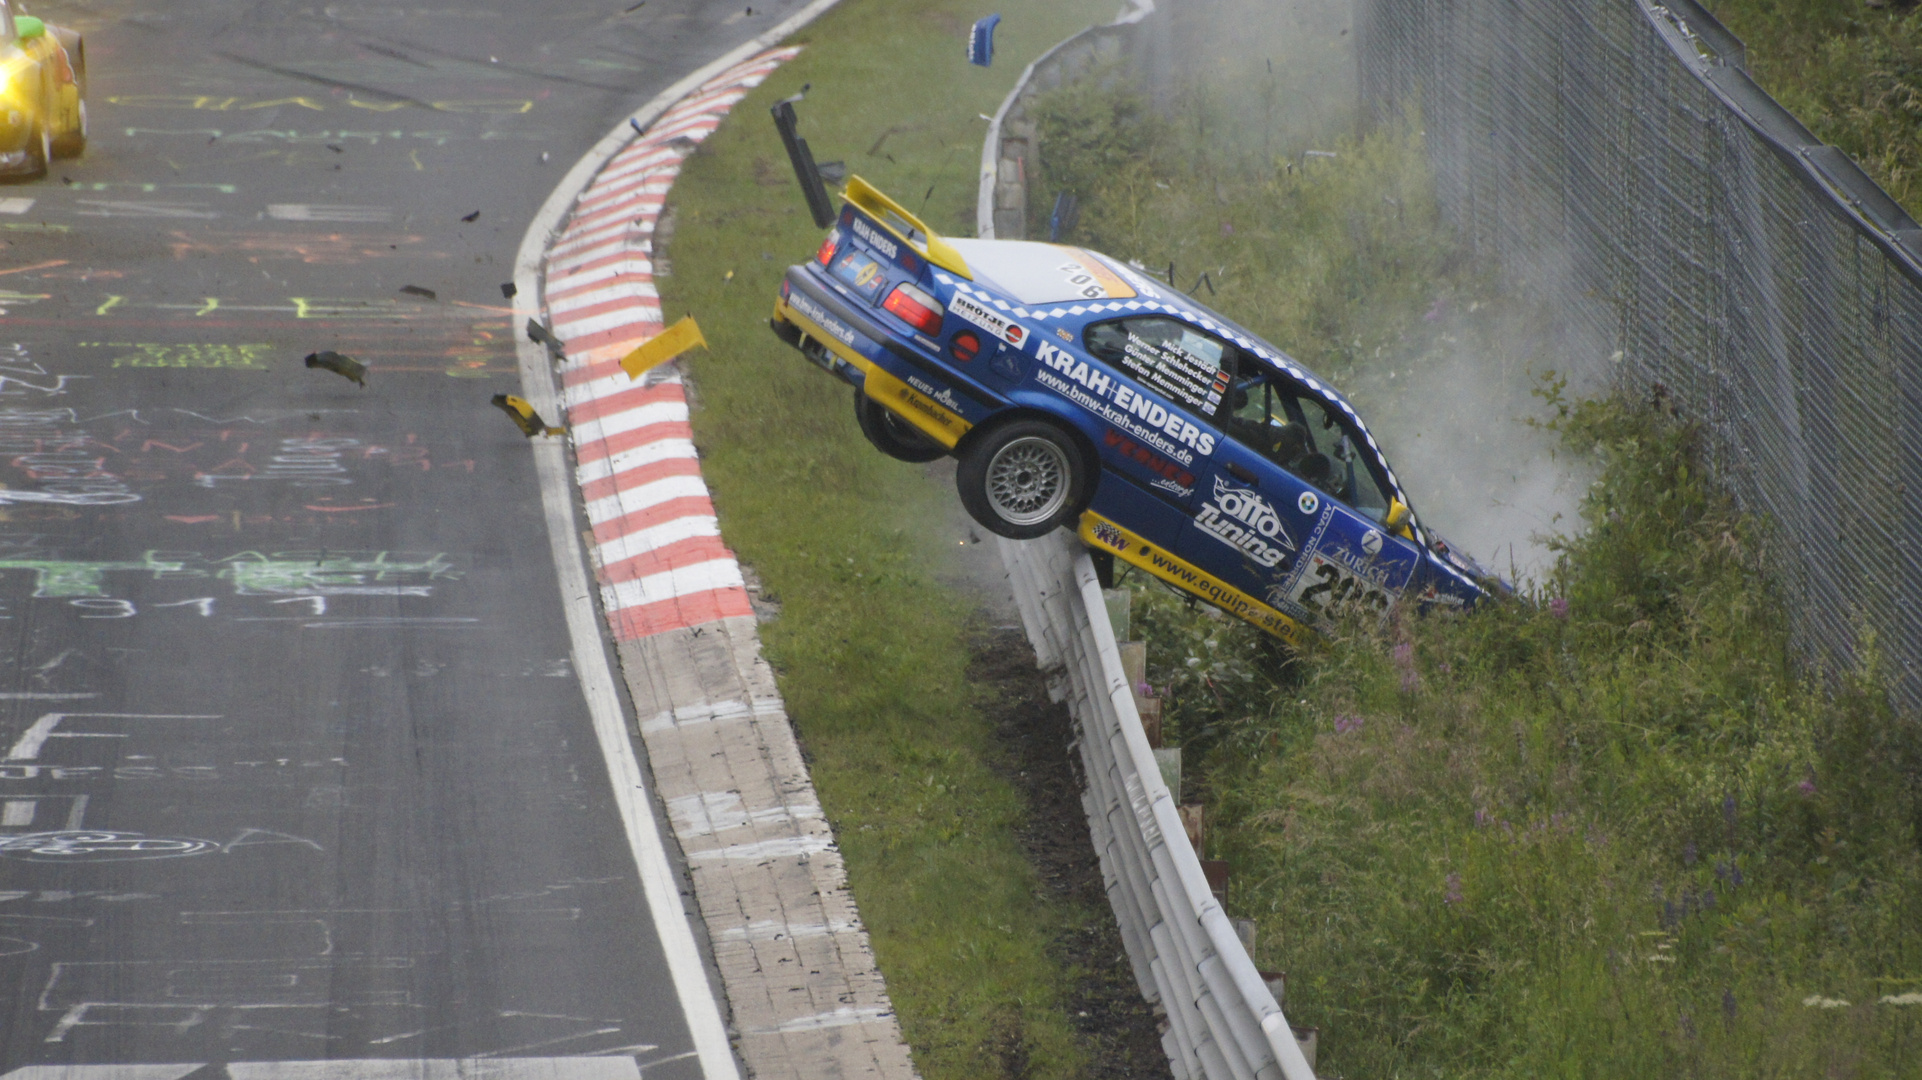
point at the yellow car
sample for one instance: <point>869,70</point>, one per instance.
<point>43,90</point>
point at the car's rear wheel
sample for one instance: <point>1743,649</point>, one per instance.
<point>1024,479</point>
<point>892,435</point>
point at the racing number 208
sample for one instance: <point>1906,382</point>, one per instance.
<point>1330,587</point>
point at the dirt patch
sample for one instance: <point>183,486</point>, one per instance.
<point>1116,1028</point>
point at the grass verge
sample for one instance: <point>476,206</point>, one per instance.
<point>871,649</point>
<point>1601,830</point>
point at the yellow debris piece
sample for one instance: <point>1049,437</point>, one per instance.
<point>662,347</point>
<point>524,416</point>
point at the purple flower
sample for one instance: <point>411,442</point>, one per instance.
<point>1346,724</point>
<point>1688,853</point>
<point>1807,786</point>
<point>1405,660</point>
<point>1558,607</point>
<point>1227,229</point>
<point>1481,819</point>
<point>1454,893</point>
<point>1145,690</point>
<point>1439,309</point>
<point>1728,812</point>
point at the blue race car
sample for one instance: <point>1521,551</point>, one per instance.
<point>1075,390</point>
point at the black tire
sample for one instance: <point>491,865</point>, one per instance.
<point>39,151</point>
<point>892,435</point>
<point>73,143</point>
<point>1024,479</point>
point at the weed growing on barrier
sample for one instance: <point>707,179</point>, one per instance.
<point>871,647</point>
<point>1851,72</point>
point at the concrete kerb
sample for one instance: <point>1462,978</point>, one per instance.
<point>799,979</point>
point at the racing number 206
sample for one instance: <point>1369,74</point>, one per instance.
<point>1327,587</point>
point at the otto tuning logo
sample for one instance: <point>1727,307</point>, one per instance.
<point>1247,522</point>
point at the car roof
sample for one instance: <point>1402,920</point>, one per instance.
<point>1008,272</point>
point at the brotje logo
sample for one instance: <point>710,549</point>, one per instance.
<point>1245,521</point>
<point>1127,402</point>
<point>1006,329</point>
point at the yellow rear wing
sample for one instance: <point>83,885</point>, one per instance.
<point>896,219</point>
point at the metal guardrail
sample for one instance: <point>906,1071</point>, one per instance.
<point>1223,1023</point>
<point>1001,207</point>
<point>1618,162</point>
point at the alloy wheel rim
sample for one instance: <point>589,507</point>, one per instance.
<point>1028,480</point>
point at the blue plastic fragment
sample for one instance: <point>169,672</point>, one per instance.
<point>981,41</point>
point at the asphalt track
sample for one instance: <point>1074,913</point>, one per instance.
<point>293,763</point>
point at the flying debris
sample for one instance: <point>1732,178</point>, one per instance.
<point>508,290</point>
<point>543,336</point>
<point>416,290</point>
<point>344,366</point>
<point>662,347</point>
<point>524,416</point>
<point>475,216</point>
<point>981,41</point>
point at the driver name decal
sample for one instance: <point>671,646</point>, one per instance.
<point>1246,522</point>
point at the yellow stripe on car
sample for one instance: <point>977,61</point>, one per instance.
<point>928,416</point>
<point>1101,534</point>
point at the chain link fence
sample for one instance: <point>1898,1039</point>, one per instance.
<point>1617,162</point>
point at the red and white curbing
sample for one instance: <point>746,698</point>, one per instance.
<point>805,999</point>
<point>662,563</point>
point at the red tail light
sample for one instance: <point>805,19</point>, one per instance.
<point>914,307</point>
<point>826,254</point>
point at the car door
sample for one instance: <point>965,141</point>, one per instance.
<point>1292,514</point>
<point>1147,441</point>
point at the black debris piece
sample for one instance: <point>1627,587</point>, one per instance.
<point>475,216</point>
<point>344,366</point>
<point>416,290</point>
<point>542,335</point>
<point>508,290</point>
<point>335,149</point>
